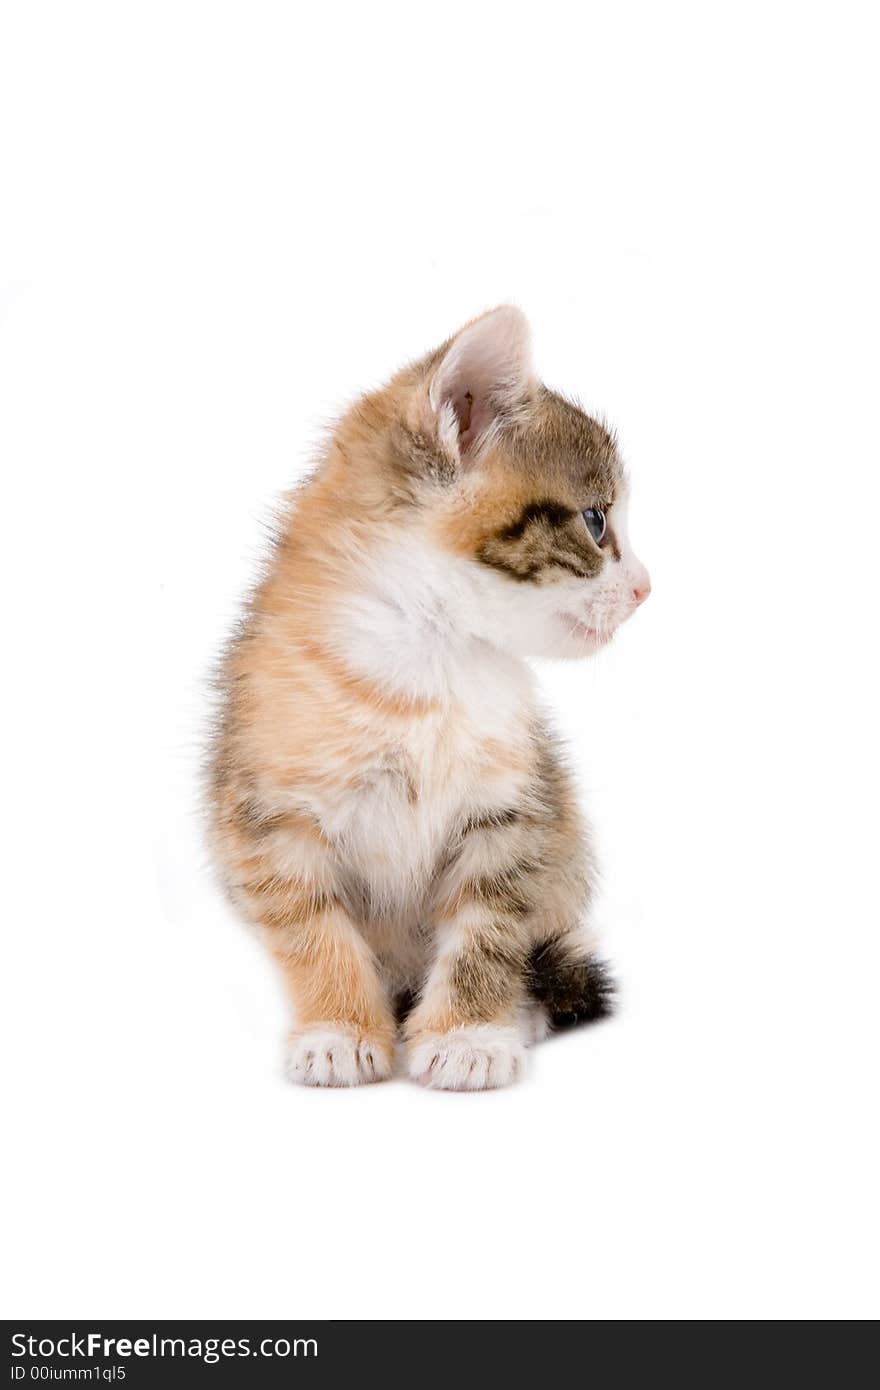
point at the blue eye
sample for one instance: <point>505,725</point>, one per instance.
<point>595,519</point>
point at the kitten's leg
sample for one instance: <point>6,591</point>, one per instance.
<point>465,1032</point>
<point>344,1033</point>
<point>282,876</point>
<point>567,983</point>
<point>513,957</point>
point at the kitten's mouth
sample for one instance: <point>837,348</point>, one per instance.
<point>587,634</point>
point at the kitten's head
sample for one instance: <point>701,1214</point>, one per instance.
<point>521,496</point>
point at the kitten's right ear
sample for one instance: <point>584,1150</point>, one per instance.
<point>481,382</point>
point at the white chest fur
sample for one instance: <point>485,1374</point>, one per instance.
<point>406,631</point>
<point>395,822</point>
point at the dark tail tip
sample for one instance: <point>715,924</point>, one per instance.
<point>572,991</point>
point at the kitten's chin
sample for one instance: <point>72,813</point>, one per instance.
<point>581,639</point>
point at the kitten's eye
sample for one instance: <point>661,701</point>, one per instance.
<point>595,519</point>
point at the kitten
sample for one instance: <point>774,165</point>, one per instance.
<point>387,805</point>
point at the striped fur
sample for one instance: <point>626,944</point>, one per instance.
<point>386,806</point>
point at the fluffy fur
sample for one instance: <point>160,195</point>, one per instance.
<point>387,805</point>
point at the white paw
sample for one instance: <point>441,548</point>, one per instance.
<point>468,1059</point>
<point>534,1025</point>
<point>331,1056</point>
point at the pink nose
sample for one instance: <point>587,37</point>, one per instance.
<point>642,590</point>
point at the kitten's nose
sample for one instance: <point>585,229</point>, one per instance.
<point>642,588</point>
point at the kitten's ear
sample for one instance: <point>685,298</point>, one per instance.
<point>482,381</point>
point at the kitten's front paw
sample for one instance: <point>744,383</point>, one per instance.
<point>333,1056</point>
<point>478,1058</point>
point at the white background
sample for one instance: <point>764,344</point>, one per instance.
<point>221,221</point>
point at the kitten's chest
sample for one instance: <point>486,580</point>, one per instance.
<point>395,820</point>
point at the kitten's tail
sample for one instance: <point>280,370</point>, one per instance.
<point>571,989</point>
